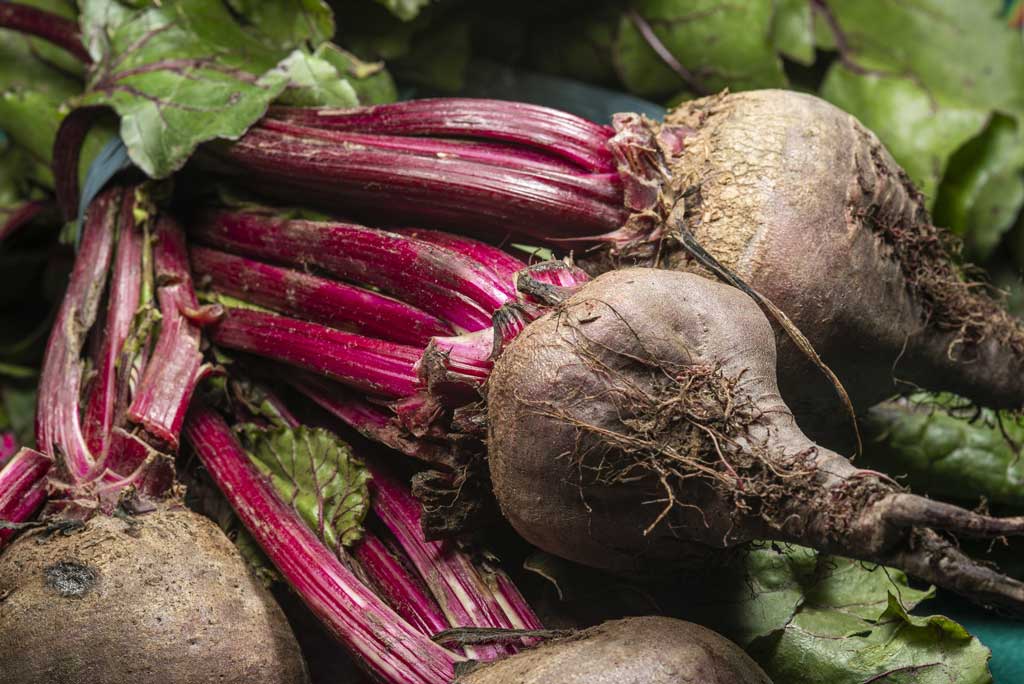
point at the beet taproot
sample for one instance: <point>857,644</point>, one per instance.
<point>639,427</point>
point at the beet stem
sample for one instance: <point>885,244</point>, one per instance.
<point>46,25</point>
<point>58,426</point>
<point>387,645</point>
<point>320,300</point>
<point>400,589</point>
<point>369,420</point>
<point>463,595</point>
<point>368,364</point>
<point>22,488</point>
<point>435,279</point>
<point>161,399</point>
<point>549,130</point>
<point>122,303</point>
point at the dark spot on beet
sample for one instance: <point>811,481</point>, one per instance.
<point>70,579</point>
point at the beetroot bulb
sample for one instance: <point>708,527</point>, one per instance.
<point>118,581</point>
<point>638,427</point>
<point>790,193</point>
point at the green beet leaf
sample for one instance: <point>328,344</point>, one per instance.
<point>814,619</point>
<point>316,473</point>
<point>186,71</point>
<point>982,192</point>
<point>920,129</point>
<point>928,77</point>
<point>721,44</point>
<point>948,454</point>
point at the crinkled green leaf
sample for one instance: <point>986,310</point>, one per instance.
<point>20,68</point>
<point>31,95</point>
<point>317,474</point>
<point>31,118</point>
<point>181,73</point>
<point>924,74</point>
<point>371,80</point>
<point>981,194</point>
<point>823,646</point>
<point>313,81</point>
<point>793,30</point>
<point>288,24</point>
<point>921,131</point>
<point>404,9</point>
<point>722,44</point>
<point>948,455</point>
<point>812,619</point>
<point>963,52</point>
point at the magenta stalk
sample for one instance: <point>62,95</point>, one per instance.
<point>386,645</point>
<point>161,399</point>
<point>321,300</point>
<point>122,303</point>
<point>549,130</point>
<point>451,577</point>
<point>371,365</point>
<point>436,280</point>
<point>58,426</point>
<point>449,192</point>
<point>22,488</point>
<point>396,586</point>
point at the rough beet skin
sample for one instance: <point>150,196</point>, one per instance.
<point>161,598</point>
<point>642,650</point>
<point>807,206</point>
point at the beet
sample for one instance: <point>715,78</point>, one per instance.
<point>163,597</point>
<point>639,427</point>
<point>644,650</point>
<point>806,205</point>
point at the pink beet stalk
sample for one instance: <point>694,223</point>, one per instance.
<point>58,427</point>
<point>389,647</point>
<point>436,280</point>
<point>441,191</point>
<point>172,372</point>
<point>8,447</point>
<point>317,299</point>
<point>454,368</point>
<point>504,265</point>
<point>371,365</point>
<point>549,130</point>
<point>122,303</point>
<point>400,589</point>
<point>462,594</point>
<point>22,488</point>
<point>489,153</point>
<point>371,421</point>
